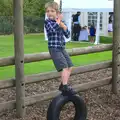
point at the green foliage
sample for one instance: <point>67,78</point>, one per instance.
<point>33,16</point>
<point>6,7</point>
<point>32,24</point>
<point>6,25</point>
<point>31,7</point>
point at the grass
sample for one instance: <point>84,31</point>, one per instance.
<point>35,44</point>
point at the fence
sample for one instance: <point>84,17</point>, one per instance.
<point>50,75</point>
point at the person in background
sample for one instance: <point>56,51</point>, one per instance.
<point>110,28</point>
<point>92,33</point>
<point>76,26</point>
<point>84,34</point>
<point>72,27</point>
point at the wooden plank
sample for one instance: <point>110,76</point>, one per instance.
<point>116,45</point>
<point>51,75</point>
<point>93,84</point>
<point>79,88</point>
<point>49,95</point>
<point>7,83</point>
<point>19,57</point>
<point>45,55</point>
<point>90,49</point>
<point>7,105</point>
<point>7,61</point>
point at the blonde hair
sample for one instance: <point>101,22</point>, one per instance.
<point>53,5</point>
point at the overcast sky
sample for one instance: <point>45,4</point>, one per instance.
<point>87,4</point>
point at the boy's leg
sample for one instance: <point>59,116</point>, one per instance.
<point>61,65</point>
<point>70,70</point>
<point>65,74</point>
<point>64,87</point>
<point>69,62</point>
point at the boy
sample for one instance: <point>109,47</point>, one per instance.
<point>56,30</point>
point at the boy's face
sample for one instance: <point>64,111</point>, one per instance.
<point>51,13</point>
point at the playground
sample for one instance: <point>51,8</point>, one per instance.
<point>29,81</point>
<point>101,103</point>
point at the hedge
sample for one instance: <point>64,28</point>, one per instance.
<point>32,24</point>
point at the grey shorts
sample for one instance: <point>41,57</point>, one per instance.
<point>60,58</point>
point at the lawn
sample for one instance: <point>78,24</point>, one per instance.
<point>35,44</point>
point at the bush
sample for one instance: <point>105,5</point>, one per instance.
<point>32,24</point>
<point>6,25</point>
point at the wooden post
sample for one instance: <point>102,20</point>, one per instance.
<point>116,45</point>
<point>19,57</point>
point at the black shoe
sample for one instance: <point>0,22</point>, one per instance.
<point>67,90</point>
<point>61,87</point>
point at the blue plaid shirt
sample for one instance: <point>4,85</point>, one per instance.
<point>55,34</point>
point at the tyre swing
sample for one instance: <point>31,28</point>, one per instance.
<point>59,101</point>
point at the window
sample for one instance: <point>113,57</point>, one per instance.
<point>92,19</point>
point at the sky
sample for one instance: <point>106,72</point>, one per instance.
<point>87,4</point>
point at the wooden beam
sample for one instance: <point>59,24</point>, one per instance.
<point>7,105</point>
<point>19,57</point>
<point>4,84</point>
<point>116,45</point>
<point>49,95</point>
<point>51,75</point>
<point>45,55</point>
<point>79,88</point>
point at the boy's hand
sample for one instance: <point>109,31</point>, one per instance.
<point>59,18</point>
<point>59,21</point>
<point>62,25</point>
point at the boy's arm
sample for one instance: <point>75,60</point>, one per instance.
<point>51,27</point>
<point>66,32</point>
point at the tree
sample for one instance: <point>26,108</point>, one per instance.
<point>33,16</point>
<point>6,7</point>
<point>34,7</point>
<point>31,7</point>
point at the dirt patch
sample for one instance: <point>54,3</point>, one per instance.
<point>101,103</point>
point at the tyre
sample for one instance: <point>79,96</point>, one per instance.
<point>59,101</point>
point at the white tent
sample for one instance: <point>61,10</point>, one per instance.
<point>69,6</point>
